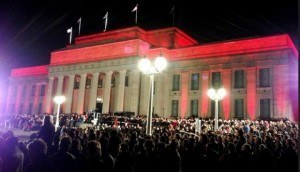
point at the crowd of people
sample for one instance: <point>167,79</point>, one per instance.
<point>119,143</point>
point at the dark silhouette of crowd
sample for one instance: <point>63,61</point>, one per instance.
<point>237,145</point>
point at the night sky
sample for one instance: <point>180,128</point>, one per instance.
<point>30,30</point>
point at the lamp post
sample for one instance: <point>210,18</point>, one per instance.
<point>148,68</point>
<point>216,95</point>
<point>58,100</point>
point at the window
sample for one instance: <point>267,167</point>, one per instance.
<point>126,80</point>
<point>174,109</point>
<point>43,90</point>
<point>264,77</point>
<point>239,79</point>
<point>33,90</point>
<point>265,108</point>
<point>194,107</point>
<point>24,91</point>
<point>176,82</point>
<point>195,81</point>
<point>113,80</point>
<point>216,80</point>
<point>40,108</point>
<point>239,108</point>
<point>88,83</point>
<point>100,82</point>
<point>76,83</point>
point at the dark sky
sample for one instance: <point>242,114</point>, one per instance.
<point>30,30</point>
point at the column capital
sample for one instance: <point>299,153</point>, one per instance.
<point>71,76</point>
<point>109,73</point>
<point>51,78</point>
<point>122,71</point>
<point>83,74</point>
<point>60,77</point>
<point>96,74</point>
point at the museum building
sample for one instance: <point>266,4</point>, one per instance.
<point>99,71</point>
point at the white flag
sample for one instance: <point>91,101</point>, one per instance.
<point>79,25</point>
<point>69,30</point>
<point>135,8</point>
<point>79,20</point>
<point>105,18</point>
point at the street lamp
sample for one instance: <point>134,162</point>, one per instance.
<point>148,68</point>
<point>58,100</point>
<point>216,95</point>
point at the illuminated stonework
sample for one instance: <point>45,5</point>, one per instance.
<point>259,75</point>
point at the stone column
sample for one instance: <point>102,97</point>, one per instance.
<point>135,77</point>
<point>69,96</point>
<point>107,88</point>
<point>80,104</point>
<point>204,98</point>
<point>120,91</point>
<point>59,89</point>
<point>9,97</point>
<point>49,95</point>
<point>226,82</point>
<point>184,94</point>
<point>166,111</point>
<point>60,85</point>
<point>94,89</point>
<point>18,98</point>
<point>251,92</point>
<point>36,98</point>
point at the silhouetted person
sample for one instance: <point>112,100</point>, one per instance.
<point>39,161</point>
<point>63,160</point>
<point>12,156</point>
<point>47,132</point>
<point>94,160</point>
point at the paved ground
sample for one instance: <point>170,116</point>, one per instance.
<point>22,135</point>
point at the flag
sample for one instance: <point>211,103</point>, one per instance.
<point>69,30</point>
<point>172,10</point>
<point>79,21</point>
<point>105,18</point>
<point>135,8</point>
<point>173,14</point>
<point>79,25</point>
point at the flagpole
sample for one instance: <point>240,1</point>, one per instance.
<point>136,11</point>
<point>106,18</point>
<point>173,15</point>
<point>79,23</point>
<point>70,30</point>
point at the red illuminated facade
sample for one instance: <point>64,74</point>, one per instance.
<point>260,76</point>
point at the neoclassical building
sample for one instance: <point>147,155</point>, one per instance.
<point>99,71</point>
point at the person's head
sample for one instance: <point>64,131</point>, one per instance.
<point>65,143</point>
<point>11,142</point>
<point>76,145</point>
<point>37,149</point>
<point>231,147</point>
<point>47,120</point>
<point>93,148</point>
<point>149,145</point>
